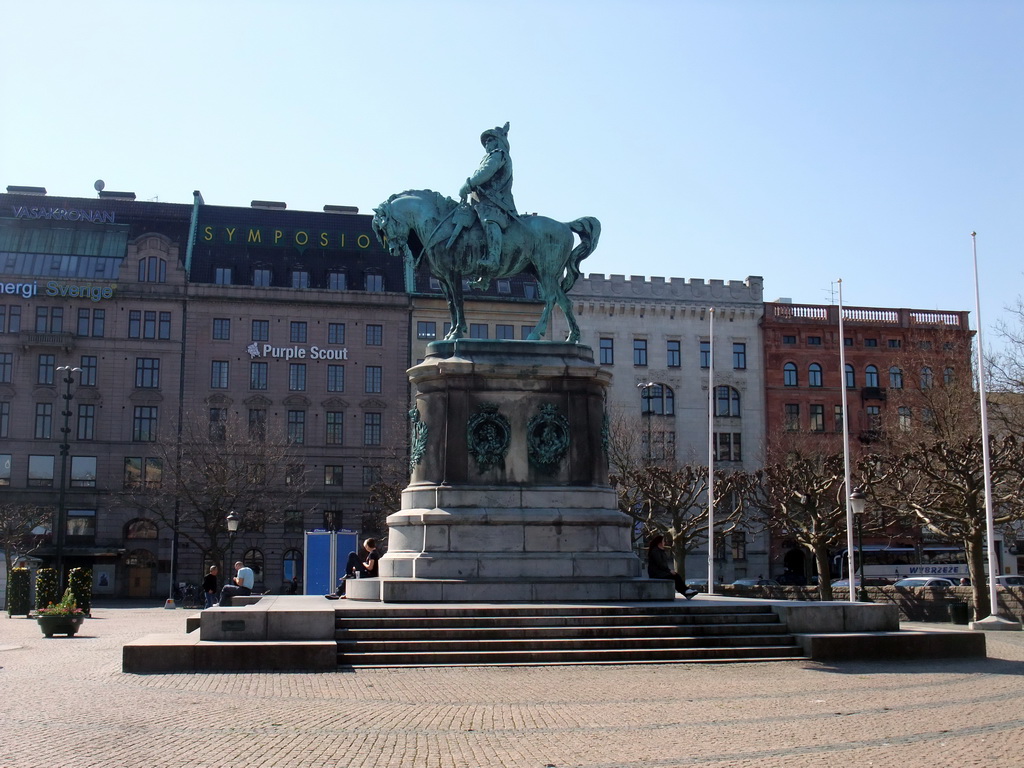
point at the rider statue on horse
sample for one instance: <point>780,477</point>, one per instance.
<point>489,191</point>
<point>449,242</point>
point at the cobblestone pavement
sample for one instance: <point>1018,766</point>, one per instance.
<point>66,703</point>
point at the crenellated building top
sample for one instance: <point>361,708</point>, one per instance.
<point>596,285</point>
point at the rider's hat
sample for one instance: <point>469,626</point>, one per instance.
<point>501,134</point>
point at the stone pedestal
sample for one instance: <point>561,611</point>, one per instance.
<point>509,497</point>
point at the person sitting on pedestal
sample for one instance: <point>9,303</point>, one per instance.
<point>244,580</point>
<point>658,566</point>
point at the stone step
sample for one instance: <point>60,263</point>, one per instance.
<point>447,633</point>
<point>476,612</point>
<point>535,645</point>
<point>427,621</point>
<point>567,656</point>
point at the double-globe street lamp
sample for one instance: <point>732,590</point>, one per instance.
<point>65,450</point>
<point>234,520</point>
<point>857,503</point>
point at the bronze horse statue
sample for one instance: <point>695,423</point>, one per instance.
<point>533,244</point>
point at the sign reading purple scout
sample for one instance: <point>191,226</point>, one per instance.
<point>296,353</point>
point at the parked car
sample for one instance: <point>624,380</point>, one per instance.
<point>924,581</point>
<point>844,583</point>
<point>756,583</point>
<point>1009,581</point>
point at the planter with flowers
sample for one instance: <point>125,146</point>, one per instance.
<point>63,618</point>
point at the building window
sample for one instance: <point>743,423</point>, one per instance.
<point>152,270</point>
<point>426,329</point>
<point>298,332</point>
<point>817,423</point>
<point>375,283</point>
<point>86,422</point>
<point>814,375</point>
<point>727,401</point>
<point>337,281</point>
<point>335,428</point>
<point>144,420</point>
<point>335,378</point>
<point>792,420</point>
<point>46,368</point>
<point>147,372</point>
<point>294,474</point>
<point>40,471</point>
<point>790,377</point>
<point>525,331</point>
<point>739,545</point>
<point>789,339</point>
<point>607,347</point>
<point>870,342</point>
<point>895,378</point>
<point>296,377</point>
<point>504,331</point>
<point>221,328</point>
<point>374,335</point>
<point>504,285</point>
<point>81,524</point>
<point>83,322</point>
<point>479,331</point>
<point>871,377</point>
<point>640,352</point>
<point>165,325</point>
<point>6,367</point>
<point>258,424</point>
<point>894,343</point>
<point>261,278</point>
<point>673,354</point>
<point>874,413</point>
<point>257,375</point>
<point>260,330</point>
<point>374,375</point>
<point>222,276</point>
<point>658,400</point>
<point>335,333</point>
<point>837,418</point>
<point>139,471</point>
<point>296,426</point>
<point>705,354</point>
<point>814,341</point>
<point>5,420</point>
<point>728,446</point>
<point>371,428</point>
<point>847,341</point>
<point>219,374</point>
<point>10,319</point>
<point>5,469</point>
<point>530,290</point>
<point>739,356</point>
<point>948,377</point>
<point>334,475</point>
<point>218,426</point>
<point>300,279</point>
<point>44,421</point>
<point>903,413</point>
<point>83,471</point>
<point>927,379</point>
<point>371,475</point>
<point>851,377</point>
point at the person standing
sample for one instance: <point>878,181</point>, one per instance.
<point>371,564</point>
<point>244,580</point>
<point>210,587</point>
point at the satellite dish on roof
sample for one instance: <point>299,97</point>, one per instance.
<point>99,185</point>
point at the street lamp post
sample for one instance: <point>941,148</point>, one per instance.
<point>233,520</point>
<point>65,449</point>
<point>857,502</point>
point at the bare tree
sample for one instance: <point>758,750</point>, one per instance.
<point>209,468</point>
<point>16,524</point>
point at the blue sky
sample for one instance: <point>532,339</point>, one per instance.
<point>801,141</point>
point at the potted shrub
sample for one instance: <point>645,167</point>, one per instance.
<point>18,603</point>
<point>63,618</point>
<point>80,584</point>
<point>46,587</point>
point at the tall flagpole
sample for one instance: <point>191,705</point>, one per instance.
<point>993,620</point>
<point>711,451</point>
<point>851,567</point>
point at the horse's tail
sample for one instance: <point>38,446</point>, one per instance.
<point>589,230</point>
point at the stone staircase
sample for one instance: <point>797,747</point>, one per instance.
<point>411,636</point>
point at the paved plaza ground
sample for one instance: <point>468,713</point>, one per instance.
<point>67,704</point>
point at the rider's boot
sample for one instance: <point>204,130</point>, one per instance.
<point>489,264</point>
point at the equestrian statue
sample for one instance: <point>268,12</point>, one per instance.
<point>485,237</point>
